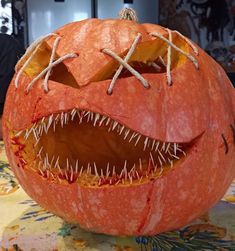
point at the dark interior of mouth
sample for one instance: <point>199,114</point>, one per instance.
<point>97,145</point>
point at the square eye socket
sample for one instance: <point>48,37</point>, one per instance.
<point>61,75</point>
<point>41,60</point>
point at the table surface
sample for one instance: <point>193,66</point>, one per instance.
<point>24,225</point>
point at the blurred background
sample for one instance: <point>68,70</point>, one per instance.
<point>210,23</point>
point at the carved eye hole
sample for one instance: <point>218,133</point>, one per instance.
<point>141,67</point>
<point>61,75</point>
<point>40,61</point>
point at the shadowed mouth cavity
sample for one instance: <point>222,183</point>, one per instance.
<point>92,149</point>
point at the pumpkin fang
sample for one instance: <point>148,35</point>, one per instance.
<point>122,156</point>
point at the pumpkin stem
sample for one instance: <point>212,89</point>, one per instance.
<point>128,14</point>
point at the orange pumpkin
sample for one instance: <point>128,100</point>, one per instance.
<point>124,128</point>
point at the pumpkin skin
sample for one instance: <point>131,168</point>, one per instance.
<point>197,110</point>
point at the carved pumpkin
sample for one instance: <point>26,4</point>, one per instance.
<point>124,128</point>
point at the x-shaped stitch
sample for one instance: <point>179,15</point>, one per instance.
<point>124,64</point>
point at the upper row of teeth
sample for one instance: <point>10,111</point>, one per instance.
<point>63,118</point>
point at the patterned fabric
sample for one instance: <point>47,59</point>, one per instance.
<point>24,225</point>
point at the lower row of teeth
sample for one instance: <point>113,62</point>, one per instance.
<point>72,172</point>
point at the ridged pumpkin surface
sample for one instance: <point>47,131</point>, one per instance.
<point>184,159</point>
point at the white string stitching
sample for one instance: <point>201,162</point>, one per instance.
<point>55,45</point>
<point>49,67</point>
<point>31,49</point>
<point>155,66</point>
<point>126,59</point>
<point>195,49</point>
<point>162,61</point>
<point>128,67</point>
<point>168,68</point>
<point>190,57</point>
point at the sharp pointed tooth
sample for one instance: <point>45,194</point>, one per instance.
<point>91,116</point>
<point>66,118</point>
<point>67,164</point>
<point>119,181</point>
<point>137,140</point>
<point>73,113</point>
<point>137,174</point>
<point>57,117</point>
<point>87,114</point>
<point>132,169</point>
<point>161,171</point>
<point>62,121</point>
<point>66,175</point>
<point>155,168</point>
<point>171,162</point>
<point>157,145</point>
<point>49,122</point>
<point>40,151</point>
<point>151,157</point>
<point>57,161</point>
<point>168,147</point>
<point>42,120</point>
<point>133,136</point>
<point>130,178</point>
<point>140,179</point>
<point>107,122</point>
<point>45,128</point>
<point>180,150</point>
<point>18,133</point>
<point>107,171</point>
<point>80,173</point>
<point>125,169</point>
<point>121,176</point>
<point>154,142</point>
<point>159,152</point>
<point>146,143</point>
<point>96,172</point>
<point>114,171</point>
<point>41,172</point>
<point>40,131</point>
<point>102,174</point>
<point>174,156</point>
<point>123,127</point>
<point>71,176</point>
<point>60,171</point>
<point>35,134</point>
<point>102,120</point>
<point>47,159</point>
<point>76,167</point>
<point>26,134</point>
<point>159,159</point>
<point>88,168</point>
<point>97,116</point>
<point>115,125</point>
<point>80,119</point>
<point>52,160</point>
<point>127,133</point>
<point>163,146</point>
<point>79,113</point>
<point>44,164</point>
<point>175,148</point>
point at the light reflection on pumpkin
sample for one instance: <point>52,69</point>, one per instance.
<point>149,156</point>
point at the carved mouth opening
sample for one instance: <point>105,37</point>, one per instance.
<point>86,147</point>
